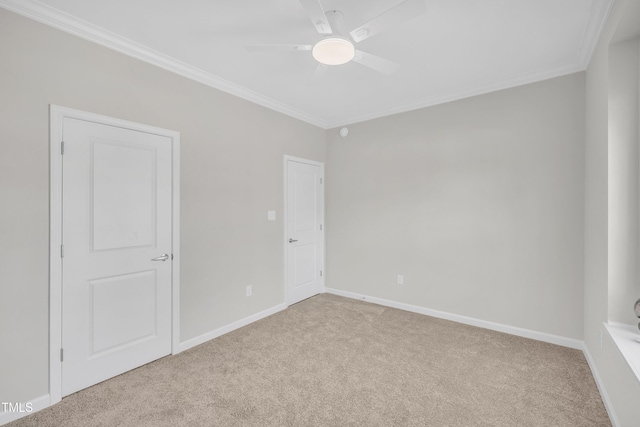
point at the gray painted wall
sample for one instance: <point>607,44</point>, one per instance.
<point>232,173</point>
<point>478,203</point>
<point>624,180</point>
<point>619,383</point>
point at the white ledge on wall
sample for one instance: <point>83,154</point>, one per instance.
<point>627,339</point>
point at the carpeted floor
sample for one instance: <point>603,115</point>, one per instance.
<point>331,361</point>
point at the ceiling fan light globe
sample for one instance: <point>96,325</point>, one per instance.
<point>333,51</point>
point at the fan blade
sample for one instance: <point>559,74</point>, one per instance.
<point>376,63</point>
<point>396,15</point>
<point>318,17</point>
<point>275,47</point>
<point>318,74</point>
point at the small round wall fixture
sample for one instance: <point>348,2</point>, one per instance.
<point>344,132</point>
<point>333,51</point>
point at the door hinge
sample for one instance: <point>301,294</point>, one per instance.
<point>61,251</point>
<point>62,147</point>
<point>171,257</point>
<point>320,227</point>
<point>61,355</point>
<point>320,180</point>
<point>320,273</point>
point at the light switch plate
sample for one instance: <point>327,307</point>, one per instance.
<point>271,215</point>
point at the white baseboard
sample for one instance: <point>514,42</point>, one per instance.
<point>36,405</point>
<point>603,391</point>
<point>45,401</point>
<point>526,333</point>
<point>540,336</point>
<point>185,345</point>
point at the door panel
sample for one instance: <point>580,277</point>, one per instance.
<point>116,217</point>
<point>306,264</point>
<point>305,198</point>
<point>305,242</point>
<point>118,322</point>
<point>123,218</point>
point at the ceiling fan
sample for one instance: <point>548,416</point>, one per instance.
<point>335,48</point>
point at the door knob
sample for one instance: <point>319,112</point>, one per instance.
<point>291,240</point>
<point>162,257</point>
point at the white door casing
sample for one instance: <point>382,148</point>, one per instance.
<point>304,229</point>
<point>114,207</point>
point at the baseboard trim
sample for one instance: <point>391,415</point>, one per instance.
<point>43,402</point>
<point>37,404</point>
<point>603,391</point>
<point>185,345</point>
<point>521,332</point>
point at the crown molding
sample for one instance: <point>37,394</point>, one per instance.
<point>467,92</point>
<point>597,18</point>
<point>600,10</point>
<point>45,14</point>
<point>68,23</point>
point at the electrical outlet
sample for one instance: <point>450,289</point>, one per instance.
<point>249,290</point>
<point>400,279</point>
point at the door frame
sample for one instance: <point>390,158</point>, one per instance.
<point>287,159</point>
<point>56,116</point>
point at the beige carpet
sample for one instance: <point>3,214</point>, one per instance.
<point>331,361</point>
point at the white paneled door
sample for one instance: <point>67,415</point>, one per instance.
<point>304,232</point>
<point>117,240</point>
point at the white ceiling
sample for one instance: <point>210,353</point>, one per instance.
<point>459,48</point>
